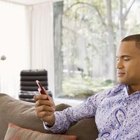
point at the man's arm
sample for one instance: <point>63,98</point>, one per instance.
<point>60,121</point>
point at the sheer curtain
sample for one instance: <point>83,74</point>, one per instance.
<point>41,32</point>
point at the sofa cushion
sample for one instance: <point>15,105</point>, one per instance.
<point>18,112</point>
<point>84,129</point>
<point>15,132</point>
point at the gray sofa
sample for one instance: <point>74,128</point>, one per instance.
<point>22,114</point>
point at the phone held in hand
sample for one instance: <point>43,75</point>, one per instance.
<point>41,89</point>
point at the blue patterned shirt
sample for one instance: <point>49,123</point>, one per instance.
<point>117,114</point>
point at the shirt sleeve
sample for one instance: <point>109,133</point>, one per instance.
<point>63,119</point>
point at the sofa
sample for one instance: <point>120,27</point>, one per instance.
<point>18,121</point>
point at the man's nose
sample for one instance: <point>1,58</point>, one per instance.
<point>119,64</point>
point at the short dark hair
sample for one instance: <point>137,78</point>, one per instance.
<point>134,37</point>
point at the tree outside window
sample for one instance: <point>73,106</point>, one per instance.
<point>87,34</point>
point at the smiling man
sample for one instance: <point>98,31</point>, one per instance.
<point>116,110</point>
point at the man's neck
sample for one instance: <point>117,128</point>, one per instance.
<point>132,89</point>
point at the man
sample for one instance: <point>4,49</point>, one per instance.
<point>116,111</point>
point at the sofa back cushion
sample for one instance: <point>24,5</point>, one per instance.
<point>84,129</point>
<point>17,112</point>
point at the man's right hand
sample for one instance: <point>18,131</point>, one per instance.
<point>45,108</point>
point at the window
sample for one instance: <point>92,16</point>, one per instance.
<point>87,34</point>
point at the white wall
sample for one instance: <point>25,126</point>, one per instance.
<point>14,44</point>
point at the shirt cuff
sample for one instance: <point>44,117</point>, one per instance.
<point>51,128</point>
<point>46,126</point>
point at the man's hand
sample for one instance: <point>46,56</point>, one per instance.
<point>45,108</point>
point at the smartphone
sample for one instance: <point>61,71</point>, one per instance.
<point>41,89</point>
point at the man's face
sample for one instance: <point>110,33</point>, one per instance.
<point>128,63</point>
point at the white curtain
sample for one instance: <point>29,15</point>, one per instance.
<point>41,33</point>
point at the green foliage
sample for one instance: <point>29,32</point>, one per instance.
<point>81,88</point>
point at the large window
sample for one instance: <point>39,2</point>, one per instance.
<point>88,33</point>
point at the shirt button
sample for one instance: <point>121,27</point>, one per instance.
<point>117,125</point>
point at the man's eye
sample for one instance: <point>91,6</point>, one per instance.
<point>126,59</point>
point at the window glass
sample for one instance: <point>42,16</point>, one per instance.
<point>90,34</point>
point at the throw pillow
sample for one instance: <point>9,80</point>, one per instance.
<point>15,132</point>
